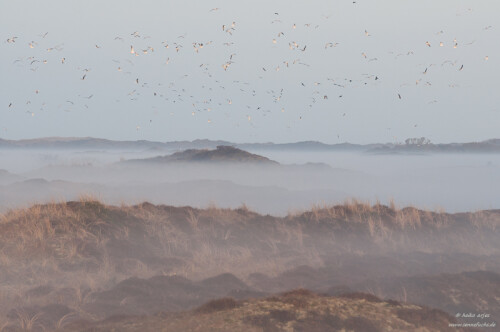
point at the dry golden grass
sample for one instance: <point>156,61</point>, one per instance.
<point>82,230</point>
<point>86,246</point>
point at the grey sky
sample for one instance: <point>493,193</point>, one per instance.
<point>443,103</point>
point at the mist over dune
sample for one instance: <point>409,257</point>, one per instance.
<point>291,179</point>
<point>213,229</point>
<point>94,261</point>
<point>138,232</point>
<point>237,166</point>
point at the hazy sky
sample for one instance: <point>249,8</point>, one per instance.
<point>331,71</point>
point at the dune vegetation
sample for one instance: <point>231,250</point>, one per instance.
<point>83,260</point>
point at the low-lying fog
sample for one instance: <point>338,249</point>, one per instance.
<point>454,182</point>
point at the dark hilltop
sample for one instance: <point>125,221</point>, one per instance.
<point>222,153</point>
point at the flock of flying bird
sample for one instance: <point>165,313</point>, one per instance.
<point>210,86</point>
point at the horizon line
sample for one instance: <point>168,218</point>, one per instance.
<point>76,138</point>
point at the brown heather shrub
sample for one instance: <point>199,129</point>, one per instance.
<point>299,298</point>
<point>282,316</point>
<point>393,302</point>
<point>225,303</point>
<point>358,323</point>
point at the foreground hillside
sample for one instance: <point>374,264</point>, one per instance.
<point>84,261</point>
<point>298,310</point>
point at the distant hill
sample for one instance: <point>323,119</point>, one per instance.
<point>89,143</point>
<point>307,146</point>
<point>222,153</point>
<point>77,143</point>
<point>489,146</point>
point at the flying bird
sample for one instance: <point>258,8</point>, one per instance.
<point>331,45</point>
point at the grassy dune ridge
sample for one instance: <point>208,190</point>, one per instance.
<point>298,310</point>
<point>69,230</point>
<point>70,253</point>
